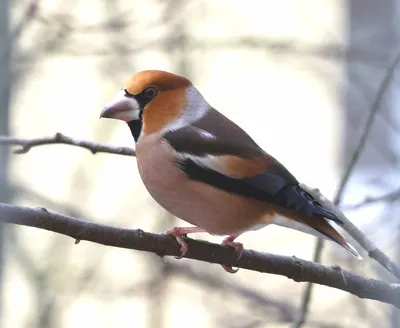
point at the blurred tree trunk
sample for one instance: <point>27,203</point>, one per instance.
<point>5,87</point>
<point>395,315</point>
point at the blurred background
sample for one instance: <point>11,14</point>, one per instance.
<point>300,76</point>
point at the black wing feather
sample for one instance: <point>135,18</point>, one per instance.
<point>268,187</point>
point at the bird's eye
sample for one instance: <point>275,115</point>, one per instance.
<point>150,93</point>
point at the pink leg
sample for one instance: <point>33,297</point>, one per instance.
<point>238,247</point>
<point>178,233</point>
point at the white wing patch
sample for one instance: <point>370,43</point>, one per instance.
<point>205,134</point>
<point>205,161</point>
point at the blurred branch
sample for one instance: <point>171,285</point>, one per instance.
<point>281,47</point>
<point>291,267</point>
<point>389,197</point>
<point>30,13</point>
<point>58,138</point>
<point>256,297</point>
<point>373,252</point>
<point>28,16</point>
<point>376,105</point>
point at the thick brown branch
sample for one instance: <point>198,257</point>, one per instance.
<point>27,144</point>
<point>291,267</point>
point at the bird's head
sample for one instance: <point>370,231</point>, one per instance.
<point>154,101</point>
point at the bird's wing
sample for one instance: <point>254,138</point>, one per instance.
<point>248,171</point>
<point>227,158</point>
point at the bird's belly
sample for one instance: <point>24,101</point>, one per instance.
<point>204,206</point>
<point>216,211</point>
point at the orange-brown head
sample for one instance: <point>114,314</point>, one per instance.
<point>155,100</point>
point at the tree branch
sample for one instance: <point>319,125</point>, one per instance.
<point>296,269</point>
<point>58,138</point>
<point>27,144</point>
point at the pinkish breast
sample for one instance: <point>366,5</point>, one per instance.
<point>215,210</point>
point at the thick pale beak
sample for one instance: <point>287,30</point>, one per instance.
<point>122,108</point>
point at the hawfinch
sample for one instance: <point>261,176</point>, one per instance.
<point>204,169</point>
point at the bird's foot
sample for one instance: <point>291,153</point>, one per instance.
<point>238,248</point>
<point>179,233</point>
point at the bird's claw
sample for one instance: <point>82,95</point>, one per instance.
<point>229,269</point>
<point>184,248</point>
<point>179,233</point>
<point>238,248</point>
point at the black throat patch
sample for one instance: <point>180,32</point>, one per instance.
<point>135,127</point>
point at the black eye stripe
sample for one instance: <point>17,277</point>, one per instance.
<point>144,97</point>
<point>130,95</point>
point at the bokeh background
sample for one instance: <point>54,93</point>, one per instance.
<point>301,76</point>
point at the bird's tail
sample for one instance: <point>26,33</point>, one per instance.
<point>299,205</point>
<point>332,234</point>
<point>321,225</point>
<point>313,224</point>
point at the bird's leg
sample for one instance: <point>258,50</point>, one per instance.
<point>178,233</point>
<point>230,241</point>
<point>238,248</point>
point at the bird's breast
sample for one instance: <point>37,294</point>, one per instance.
<point>217,211</point>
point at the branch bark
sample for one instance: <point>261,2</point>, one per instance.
<point>294,268</point>
<point>94,147</point>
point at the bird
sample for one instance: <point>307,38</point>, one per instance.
<point>206,170</point>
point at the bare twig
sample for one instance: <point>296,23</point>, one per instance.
<point>376,105</point>
<point>389,197</point>
<point>28,16</point>
<point>291,267</point>
<point>58,138</point>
